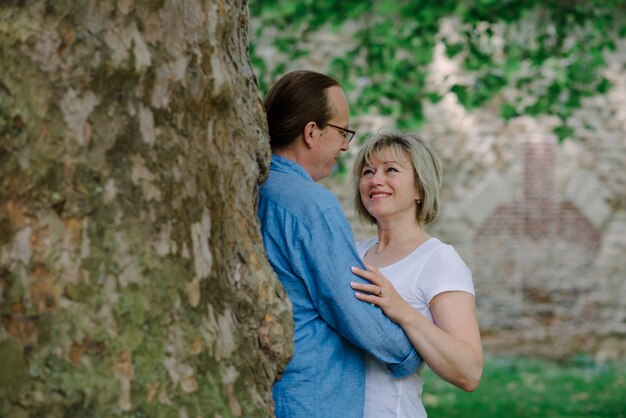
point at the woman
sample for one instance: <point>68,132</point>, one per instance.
<point>418,281</point>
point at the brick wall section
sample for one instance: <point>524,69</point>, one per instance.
<point>539,215</point>
<point>539,205</point>
<point>533,270</point>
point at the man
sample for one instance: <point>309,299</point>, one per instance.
<point>310,245</point>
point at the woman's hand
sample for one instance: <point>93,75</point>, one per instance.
<point>381,293</point>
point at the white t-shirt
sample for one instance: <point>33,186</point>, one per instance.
<point>432,268</point>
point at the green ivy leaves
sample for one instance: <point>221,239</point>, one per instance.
<point>550,52</point>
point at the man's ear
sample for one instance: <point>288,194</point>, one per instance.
<point>310,131</point>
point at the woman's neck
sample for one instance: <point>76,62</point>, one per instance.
<point>400,234</point>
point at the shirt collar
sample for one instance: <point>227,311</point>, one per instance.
<point>286,165</point>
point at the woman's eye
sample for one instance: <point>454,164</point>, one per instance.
<point>392,169</point>
<point>367,172</point>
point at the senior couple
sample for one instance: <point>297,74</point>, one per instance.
<point>367,315</point>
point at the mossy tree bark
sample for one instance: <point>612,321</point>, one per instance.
<point>133,280</point>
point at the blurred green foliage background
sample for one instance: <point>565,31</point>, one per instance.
<point>554,48</point>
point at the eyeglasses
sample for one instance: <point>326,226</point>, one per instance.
<point>348,134</point>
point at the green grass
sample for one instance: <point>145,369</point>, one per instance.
<point>520,387</point>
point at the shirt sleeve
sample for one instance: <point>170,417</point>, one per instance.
<point>326,253</point>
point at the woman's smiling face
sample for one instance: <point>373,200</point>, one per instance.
<point>387,185</point>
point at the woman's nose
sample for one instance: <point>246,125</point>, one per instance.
<point>376,179</point>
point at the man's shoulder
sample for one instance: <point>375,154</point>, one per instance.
<point>285,189</point>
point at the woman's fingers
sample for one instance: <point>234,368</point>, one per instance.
<point>367,275</point>
<point>372,268</point>
<point>364,287</point>
<point>374,292</point>
<point>368,298</point>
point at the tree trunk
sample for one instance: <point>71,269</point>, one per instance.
<point>133,280</point>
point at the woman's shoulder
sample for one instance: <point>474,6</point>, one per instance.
<point>444,270</point>
<point>434,246</point>
<point>444,256</point>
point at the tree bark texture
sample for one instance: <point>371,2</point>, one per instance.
<point>133,280</point>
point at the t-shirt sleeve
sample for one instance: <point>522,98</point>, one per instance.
<point>445,271</point>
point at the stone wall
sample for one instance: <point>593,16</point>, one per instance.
<point>542,225</point>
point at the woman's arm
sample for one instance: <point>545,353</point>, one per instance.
<point>451,346</point>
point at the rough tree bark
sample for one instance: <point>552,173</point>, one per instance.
<point>133,280</point>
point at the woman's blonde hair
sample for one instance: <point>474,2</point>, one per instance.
<point>426,168</point>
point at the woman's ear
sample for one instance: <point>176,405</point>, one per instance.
<point>310,131</point>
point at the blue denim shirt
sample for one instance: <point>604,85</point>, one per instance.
<point>310,245</point>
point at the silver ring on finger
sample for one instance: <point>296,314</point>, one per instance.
<point>380,292</point>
